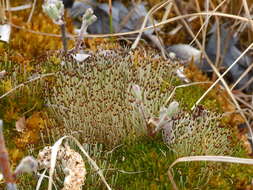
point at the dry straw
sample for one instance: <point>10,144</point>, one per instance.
<point>54,151</point>
<point>226,159</point>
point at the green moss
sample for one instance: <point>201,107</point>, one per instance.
<point>188,96</point>
<point>138,164</point>
<point>149,159</point>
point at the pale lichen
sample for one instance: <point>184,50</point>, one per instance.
<point>71,162</point>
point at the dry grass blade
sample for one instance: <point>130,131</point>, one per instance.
<point>179,27</point>
<point>242,76</point>
<point>247,11</point>
<point>23,84</point>
<point>220,77</point>
<point>150,12</point>
<point>110,16</point>
<point>199,10</point>
<point>32,11</point>
<point>20,8</point>
<point>229,91</point>
<point>188,29</point>
<point>182,86</point>
<point>136,31</point>
<point>2,11</point>
<point>216,71</point>
<point>227,159</point>
<point>247,104</point>
<point>246,84</point>
<point>158,41</point>
<point>167,11</point>
<point>207,18</point>
<point>204,25</point>
<point>55,149</point>
<point>40,179</point>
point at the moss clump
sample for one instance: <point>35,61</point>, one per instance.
<point>143,164</point>
<point>198,133</point>
<point>93,100</point>
<point>26,101</point>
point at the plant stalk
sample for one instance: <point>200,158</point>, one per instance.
<point>64,38</point>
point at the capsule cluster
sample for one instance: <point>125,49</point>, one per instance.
<point>94,100</point>
<point>198,133</point>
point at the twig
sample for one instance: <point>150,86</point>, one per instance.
<point>64,38</point>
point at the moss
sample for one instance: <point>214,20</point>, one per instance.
<point>188,96</point>
<point>148,160</point>
<point>96,97</point>
<point>27,101</point>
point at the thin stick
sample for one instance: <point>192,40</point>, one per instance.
<point>64,38</point>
